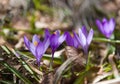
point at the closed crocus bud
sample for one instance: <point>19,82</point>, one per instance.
<point>106,27</point>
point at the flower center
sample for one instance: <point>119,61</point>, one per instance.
<point>72,35</point>
<point>55,33</point>
<point>35,43</point>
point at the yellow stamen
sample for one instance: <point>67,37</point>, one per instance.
<point>55,33</point>
<point>72,35</point>
<point>35,43</point>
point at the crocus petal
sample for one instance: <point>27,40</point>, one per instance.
<point>77,38</point>
<point>27,42</point>
<point>57,33</point>
<point>69,39</point>
<point>54,42</point>
<point>106,28</point>
<point>84,30</point>
<point>90,36</point>
<point>104,20</point>
<point>35,39</point>
<point>61,39</point>
<point>46,45</point>
<point>107,31</point>
<point>82,38</point>
<point>29,45</point>
<point>47,33</point>
<point>32,49</point>
<point>76,44</point>
<point>39,51</point>
<point>100,26</point>
<point>112,24</point>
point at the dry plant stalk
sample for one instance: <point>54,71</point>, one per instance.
<point>114,68</point>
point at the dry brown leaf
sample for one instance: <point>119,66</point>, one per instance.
<point>79,64</point>
<point>48,78</point>
<point>100,77</point>
<point>112,81</point>
<point>114,68</point>
<point>100,51</point>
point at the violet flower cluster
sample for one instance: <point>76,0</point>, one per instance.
<point>38,48</point>
<point>82,38</point>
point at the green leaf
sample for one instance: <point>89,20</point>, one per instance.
<point>40,6</point>
<point>5,82</point>
<point>62,68</point>
<point>106,40</point>
<point>57,60</point>
<point>25,65</point>
<point>18,74</point>
<point>28,68</point>
<point>80,79</point>
<point>6,49</point>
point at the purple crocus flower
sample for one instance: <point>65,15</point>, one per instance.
<point>106,27</point>
<point>84,39</point>
<point>71,40</point>
<point>37,47</point>
<point>56,40</point>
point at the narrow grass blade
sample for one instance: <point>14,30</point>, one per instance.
<point>18,74</point>
<point>57,60</point>
<point>5,82</point>
<point>6,49</point>
<point>106,40</point>
<point>62,68</point>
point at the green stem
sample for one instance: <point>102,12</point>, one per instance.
<point>106,40</point>
<point>87,62</point>
<point>51,62</point>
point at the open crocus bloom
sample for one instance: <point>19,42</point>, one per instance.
<point>106,27</point>
<point>56,40</point>
<point>71,40</point>
<point>37,47</point>
<point>84,39</point>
